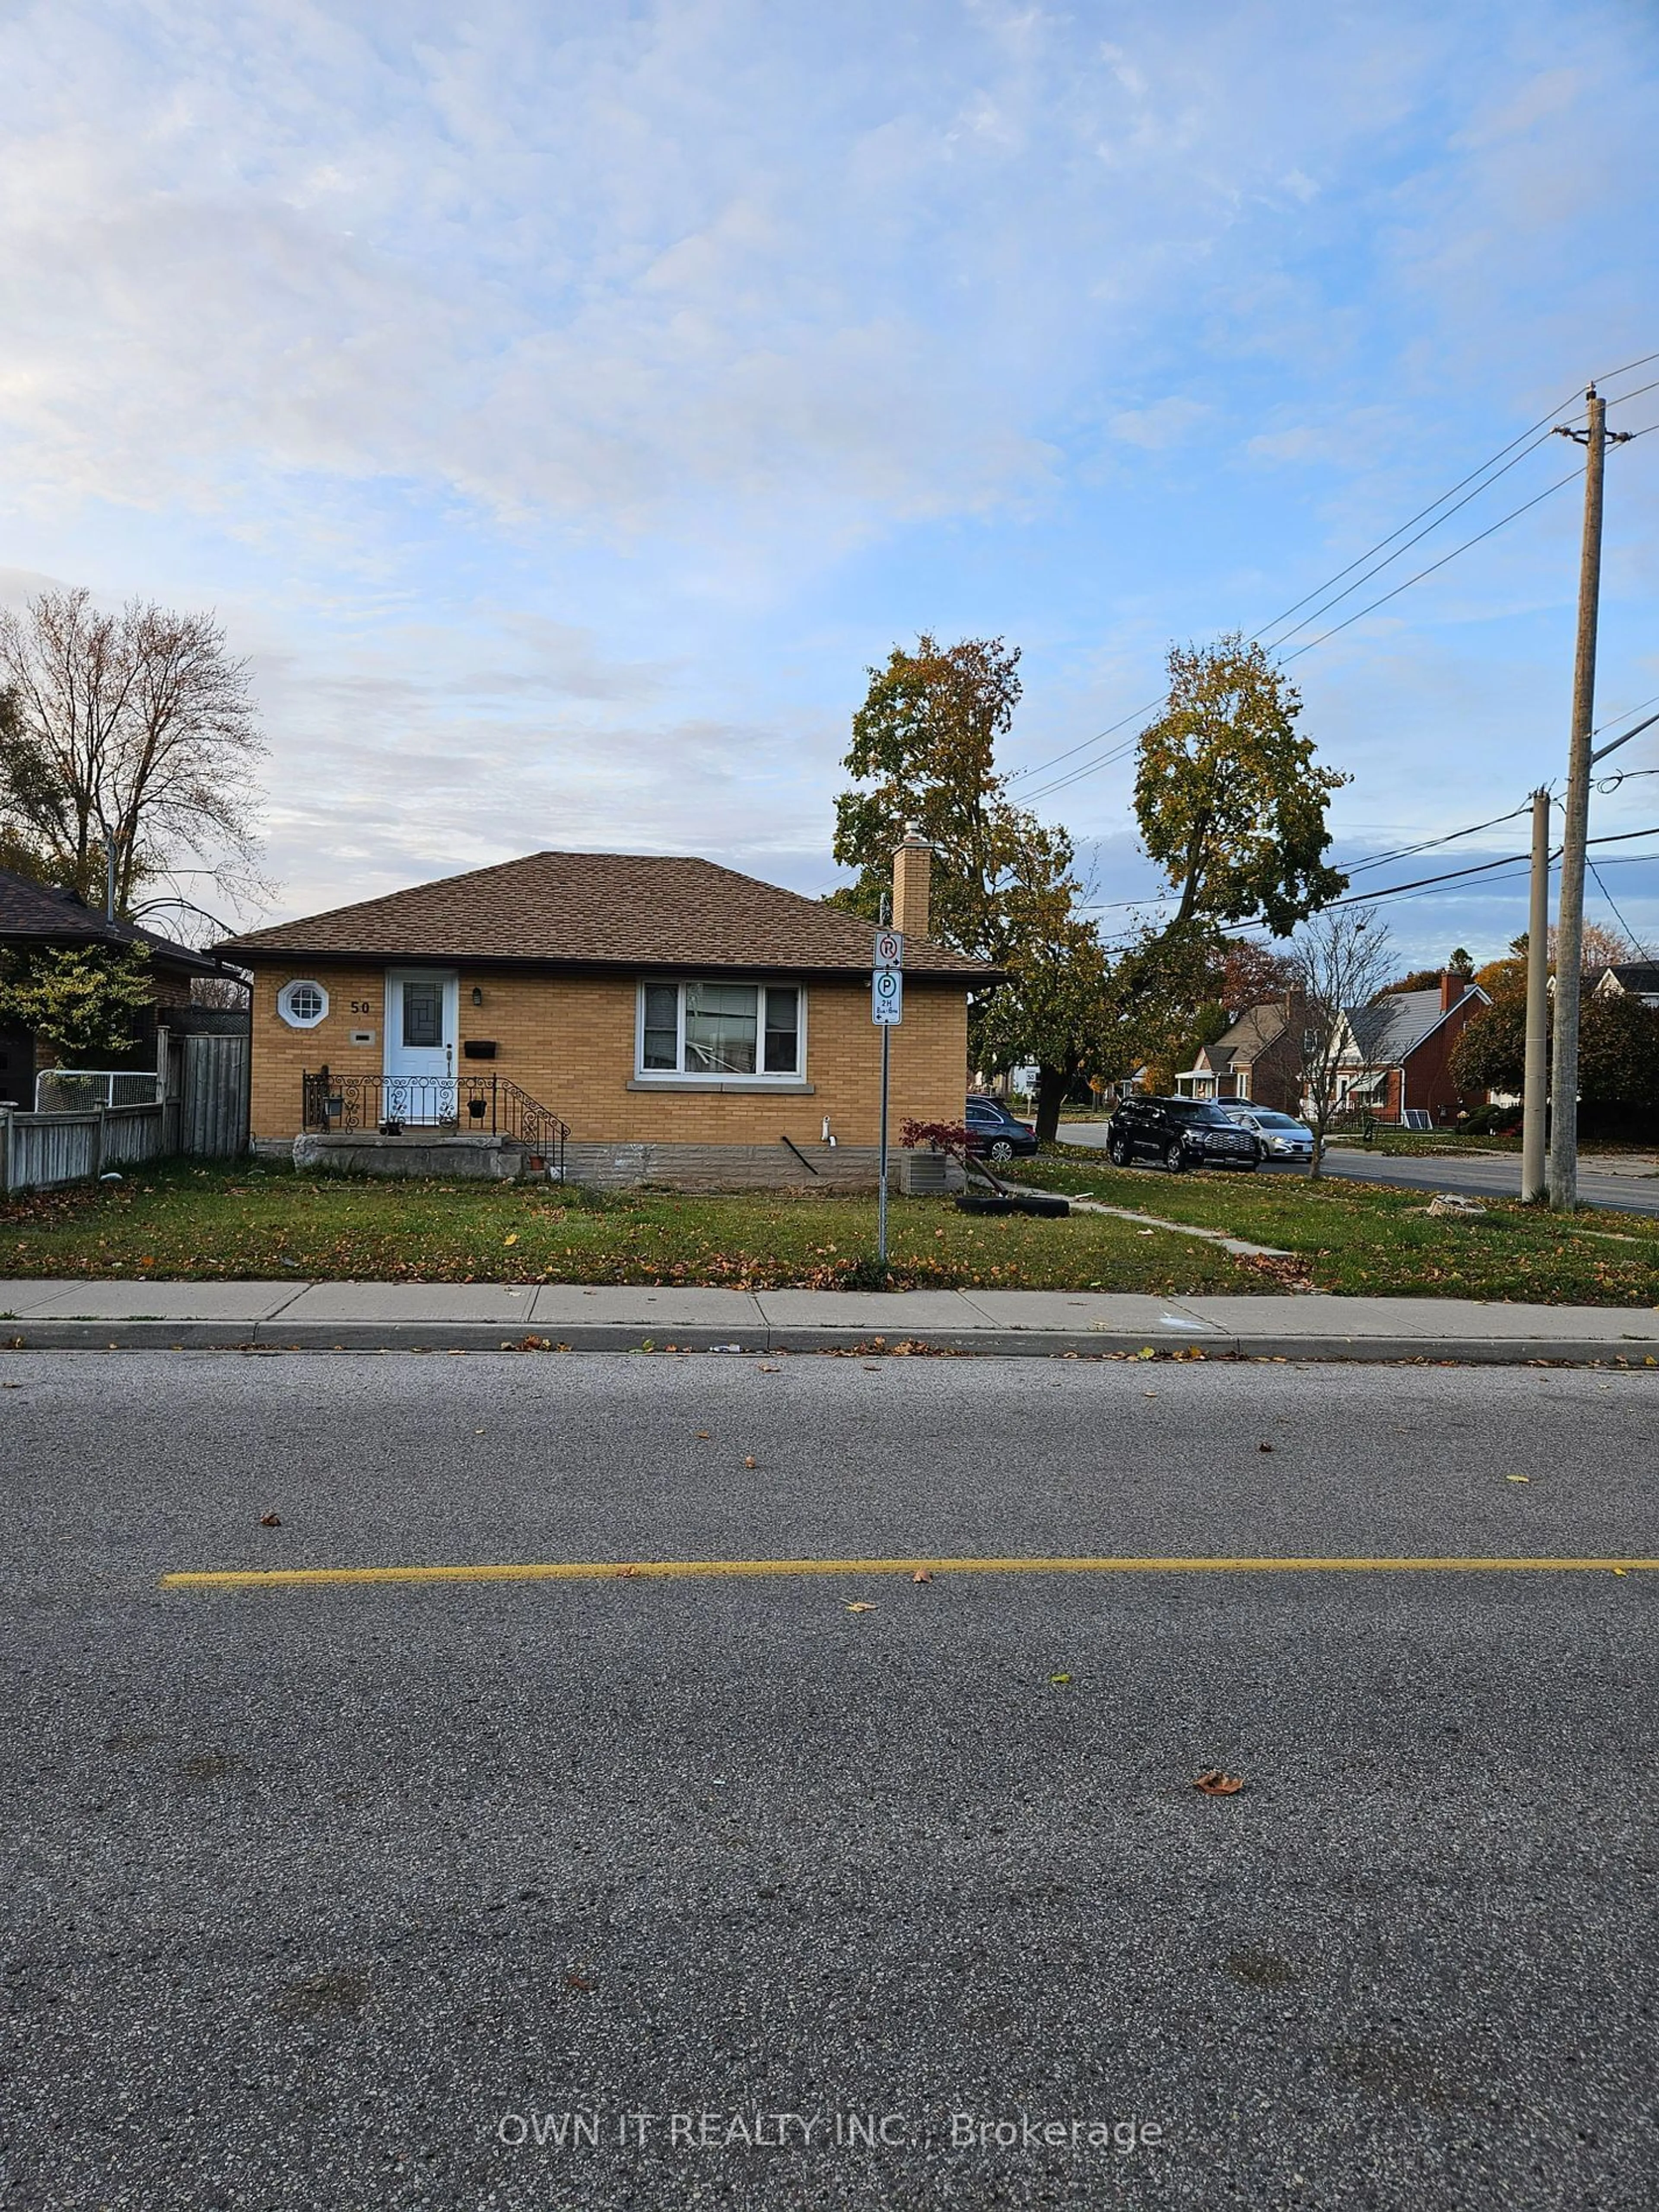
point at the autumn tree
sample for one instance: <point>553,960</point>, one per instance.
<point>1004,887</point>
<point>1251,975</point>
<point>1229,795</point>
<point>133,733</point>
<point>924,751</point>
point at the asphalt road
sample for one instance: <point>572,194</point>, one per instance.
<point>1492,1174</point>
<point>328,1898</point>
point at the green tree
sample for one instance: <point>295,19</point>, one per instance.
<point>1228,796</point>
<point>1163,998</point>
<point>87,1002</point>
<point>1052,1012</point>
<point>1491,1052</point>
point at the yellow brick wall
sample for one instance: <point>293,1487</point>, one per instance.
<point>569,1041</point>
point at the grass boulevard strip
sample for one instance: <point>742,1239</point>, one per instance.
<point>692,1570</point>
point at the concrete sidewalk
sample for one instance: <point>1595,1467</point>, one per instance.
<point>496,1316</point>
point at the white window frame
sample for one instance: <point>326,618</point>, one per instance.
<point>285,1002</point>
<point>700,1078</point>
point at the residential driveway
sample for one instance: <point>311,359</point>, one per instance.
<point>1496,1175</point>
<point>337,1895</point>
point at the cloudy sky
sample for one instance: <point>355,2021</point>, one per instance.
<point>563,405</point>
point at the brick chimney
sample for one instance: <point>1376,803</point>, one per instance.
<point>1452,988</point>
<point>912,866</point>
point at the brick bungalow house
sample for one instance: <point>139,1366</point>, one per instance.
<point>35,917</point>
<point>688,1025</point>
<point>1397,1059</point>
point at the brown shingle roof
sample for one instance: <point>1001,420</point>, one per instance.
<point>602,910</point>
<point>37,913</point>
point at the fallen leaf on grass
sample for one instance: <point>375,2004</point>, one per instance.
<point>270,1520</point>
<point>1214,1783</point>
<point>857,1605</point>
<point>513,1239</point>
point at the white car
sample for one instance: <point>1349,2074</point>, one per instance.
<point>1283,1137</point>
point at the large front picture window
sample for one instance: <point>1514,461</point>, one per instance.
<point>718,1030</point>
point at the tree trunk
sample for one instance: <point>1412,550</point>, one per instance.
<point>1052,1085</point>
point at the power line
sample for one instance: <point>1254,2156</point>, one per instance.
<point>1422,513</point>
<point>1484,472</point>
<point>1359,582</point>
<point>1571,477</point>
<point>1617,916</point>
<point>1404,852</point>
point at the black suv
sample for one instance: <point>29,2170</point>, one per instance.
<point>993,1131</point>
<point>1182,1133</point>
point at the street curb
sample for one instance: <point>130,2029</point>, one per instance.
<point>991,1343</point>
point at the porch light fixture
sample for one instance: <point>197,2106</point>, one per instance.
<point>477,994</point>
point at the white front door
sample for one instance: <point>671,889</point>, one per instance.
<point>422,1010</point>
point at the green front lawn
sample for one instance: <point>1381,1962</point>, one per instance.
<point>195,1223</point>
<point>214,1225</point>
<point>1375,1239</point>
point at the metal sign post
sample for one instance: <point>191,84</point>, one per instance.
<point>887,1013</point>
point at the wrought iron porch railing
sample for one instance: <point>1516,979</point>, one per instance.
<point>479,1105</point>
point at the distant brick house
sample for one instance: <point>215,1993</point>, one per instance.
<point>1257,1057</point>
<point>35,917</point>
<point>1396,1062</point>
<point>688,1025</point>
<point>1395,1058</point>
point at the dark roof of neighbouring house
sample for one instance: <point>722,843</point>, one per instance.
<point>32,912</point>
<point>1387,1031</point>
<point>601,909</point>
<point>1250,1035</point>
<point>1640,977</point>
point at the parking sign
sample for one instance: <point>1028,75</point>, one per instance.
<point>887,998</point>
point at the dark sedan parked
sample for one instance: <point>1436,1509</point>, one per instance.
<point>1182,1133</point>
<point>993,1131</point>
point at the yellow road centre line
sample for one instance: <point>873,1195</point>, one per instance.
<point>572,1571</point>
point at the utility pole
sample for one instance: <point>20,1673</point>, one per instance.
<point>1569,925</point>
<point>1535,1113</point>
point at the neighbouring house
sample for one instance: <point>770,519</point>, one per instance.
<point>1635,978</point>
<point>1395,1061</point>
<point>35,917</point>
<point>1257,1057</point>
<point>687,1025</point>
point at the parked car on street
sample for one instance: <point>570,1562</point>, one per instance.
<point>1182,1133</point>
<point>995,1134</point>
<point>1281,1136</point>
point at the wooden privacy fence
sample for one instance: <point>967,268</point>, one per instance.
<point>39,1150</point>
<point>214,1097</point>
